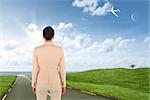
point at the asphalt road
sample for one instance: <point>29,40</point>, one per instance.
<point>22,91</point>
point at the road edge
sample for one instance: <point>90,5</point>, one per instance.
<point>92,94</point>
<point>12,85</point>
<point>83,91</point>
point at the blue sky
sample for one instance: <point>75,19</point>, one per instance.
<point>84,26</point>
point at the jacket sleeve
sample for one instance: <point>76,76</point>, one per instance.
<point>35,68</point>
<point>62,69</point>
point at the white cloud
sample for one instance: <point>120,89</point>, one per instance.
<point>101,11</point>
<point>83,3</point>
<point>19,52</point>
<point>62,29</point>
<point>94,53</point>
<point>81,51</point>
<point>32,27</point>
<point>108,45</point>
<point>62,26</point>
<point>34,33</point>
<point>79,41</point>
<point>18,55</point>
<point>124,43</point>
<point>9,45</point>
<point>147,39</point>
<point>93,7</point>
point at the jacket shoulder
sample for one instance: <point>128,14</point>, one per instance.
<point>37,47</point>
<point>56,46</point>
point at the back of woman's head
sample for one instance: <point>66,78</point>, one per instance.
<point>48,33</point>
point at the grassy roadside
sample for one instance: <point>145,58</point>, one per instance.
<point>5,84</point>
<point>124,84</point>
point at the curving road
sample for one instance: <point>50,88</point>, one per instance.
<point>22,91</point>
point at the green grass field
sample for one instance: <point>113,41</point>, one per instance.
<point>5,84</point>
<point>120,83</point>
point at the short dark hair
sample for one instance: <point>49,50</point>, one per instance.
<point>48,33</point>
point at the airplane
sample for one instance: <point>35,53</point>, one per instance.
<point>113,11</point>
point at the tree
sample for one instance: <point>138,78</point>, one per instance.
<point>132,66</point>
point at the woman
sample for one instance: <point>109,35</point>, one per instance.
<point>48,68</point>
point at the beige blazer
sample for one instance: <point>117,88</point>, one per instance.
<point>48,65</point>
